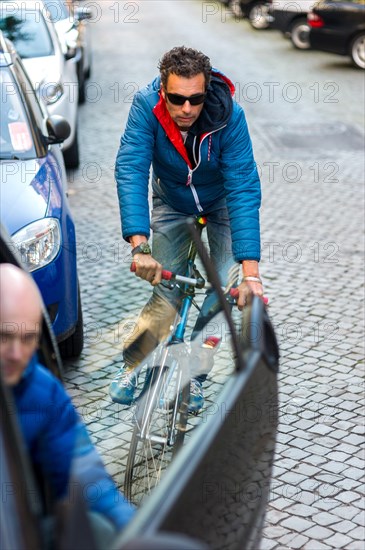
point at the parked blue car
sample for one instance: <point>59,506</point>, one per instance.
<point>34,205</point>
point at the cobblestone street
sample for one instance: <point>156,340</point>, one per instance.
<point>305,112</point>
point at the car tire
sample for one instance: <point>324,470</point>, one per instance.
<point>357,51</point>
<point>73,345</point>
<point>299,34</point>
<point>87,73</point>
<point>81,82</point>
<point>82,90</point>
<point>71,155</point>
<point>258,16</point>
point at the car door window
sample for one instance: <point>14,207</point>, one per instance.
<point>38,113</point>
<point>57,9</point>
<point>16,139</point>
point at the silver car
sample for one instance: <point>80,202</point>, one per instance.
<point>74,33</point>
<point>51,70</point>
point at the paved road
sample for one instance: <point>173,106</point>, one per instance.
<point>305,112</point>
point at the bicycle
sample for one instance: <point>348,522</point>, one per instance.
<point>161,415</point>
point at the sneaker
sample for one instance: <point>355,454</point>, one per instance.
<point>122,388</point>
<point>196,401</point>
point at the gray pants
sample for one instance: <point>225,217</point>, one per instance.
<point>171,241</point>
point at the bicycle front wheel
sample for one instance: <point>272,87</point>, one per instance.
<point>161,420</point>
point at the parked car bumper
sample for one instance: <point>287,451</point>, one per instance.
<point>328,40</point>
<point>280,19</point>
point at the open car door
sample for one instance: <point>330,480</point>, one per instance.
<point>216,490</point>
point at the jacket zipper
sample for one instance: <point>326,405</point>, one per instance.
<point>189,180</point>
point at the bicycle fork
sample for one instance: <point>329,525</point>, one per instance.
<point>159,391</point>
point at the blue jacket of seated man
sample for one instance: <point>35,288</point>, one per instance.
<point>58,443</point>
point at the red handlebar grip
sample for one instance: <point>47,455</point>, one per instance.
<point>234,292</point>
<point>167,275</point>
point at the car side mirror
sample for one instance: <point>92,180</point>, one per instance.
<point>58,129</point>
<point>81,14</point>
<point>70,52</point>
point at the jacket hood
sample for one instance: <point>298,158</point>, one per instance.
<point>218,105</point>
<point>216,113</point>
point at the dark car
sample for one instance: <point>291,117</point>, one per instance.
<point>291,19</point>
<point>338,26</point>
<point>256,11</point>
<point>34,206</point>
<point>214,494</point>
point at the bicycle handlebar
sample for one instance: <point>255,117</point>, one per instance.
<point>198,283</point>
<point>170,276</point>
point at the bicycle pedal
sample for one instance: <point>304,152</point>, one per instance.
<point>182,428</point>
<point>186,429</point>
<point>157,439</point>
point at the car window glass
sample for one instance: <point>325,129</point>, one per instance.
<point>15,132</point>
<point>37,111</point>
<point>28,31</point>
<point>57,9</point>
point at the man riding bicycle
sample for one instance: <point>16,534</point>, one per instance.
<point>188,126</point>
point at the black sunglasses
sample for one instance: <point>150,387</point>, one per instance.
<point>177,99</point>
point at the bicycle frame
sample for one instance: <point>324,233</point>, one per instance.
<point>178,334</point>
<point>187,301</point>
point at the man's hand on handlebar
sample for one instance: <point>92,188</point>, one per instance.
<point>245,289</point>
<point>147,268</point>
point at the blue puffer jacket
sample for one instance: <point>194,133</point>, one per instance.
<point>216,161</point>
<point>58,444</point>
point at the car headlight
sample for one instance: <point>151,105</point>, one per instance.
<point>38,243</point>
<point>52,92</point>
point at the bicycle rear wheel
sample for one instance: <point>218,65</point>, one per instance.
<point>161,419</point>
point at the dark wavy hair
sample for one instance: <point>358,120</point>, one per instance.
<point>185,62</point>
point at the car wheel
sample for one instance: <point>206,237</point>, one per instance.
<point>73,345</point>
<point>299,34</point>
<point>258,16</point>
<point>357,51</point>
<point>87,73</point>
<point>82,90</point>
<point>81,82</point>
<point>71,155</point>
